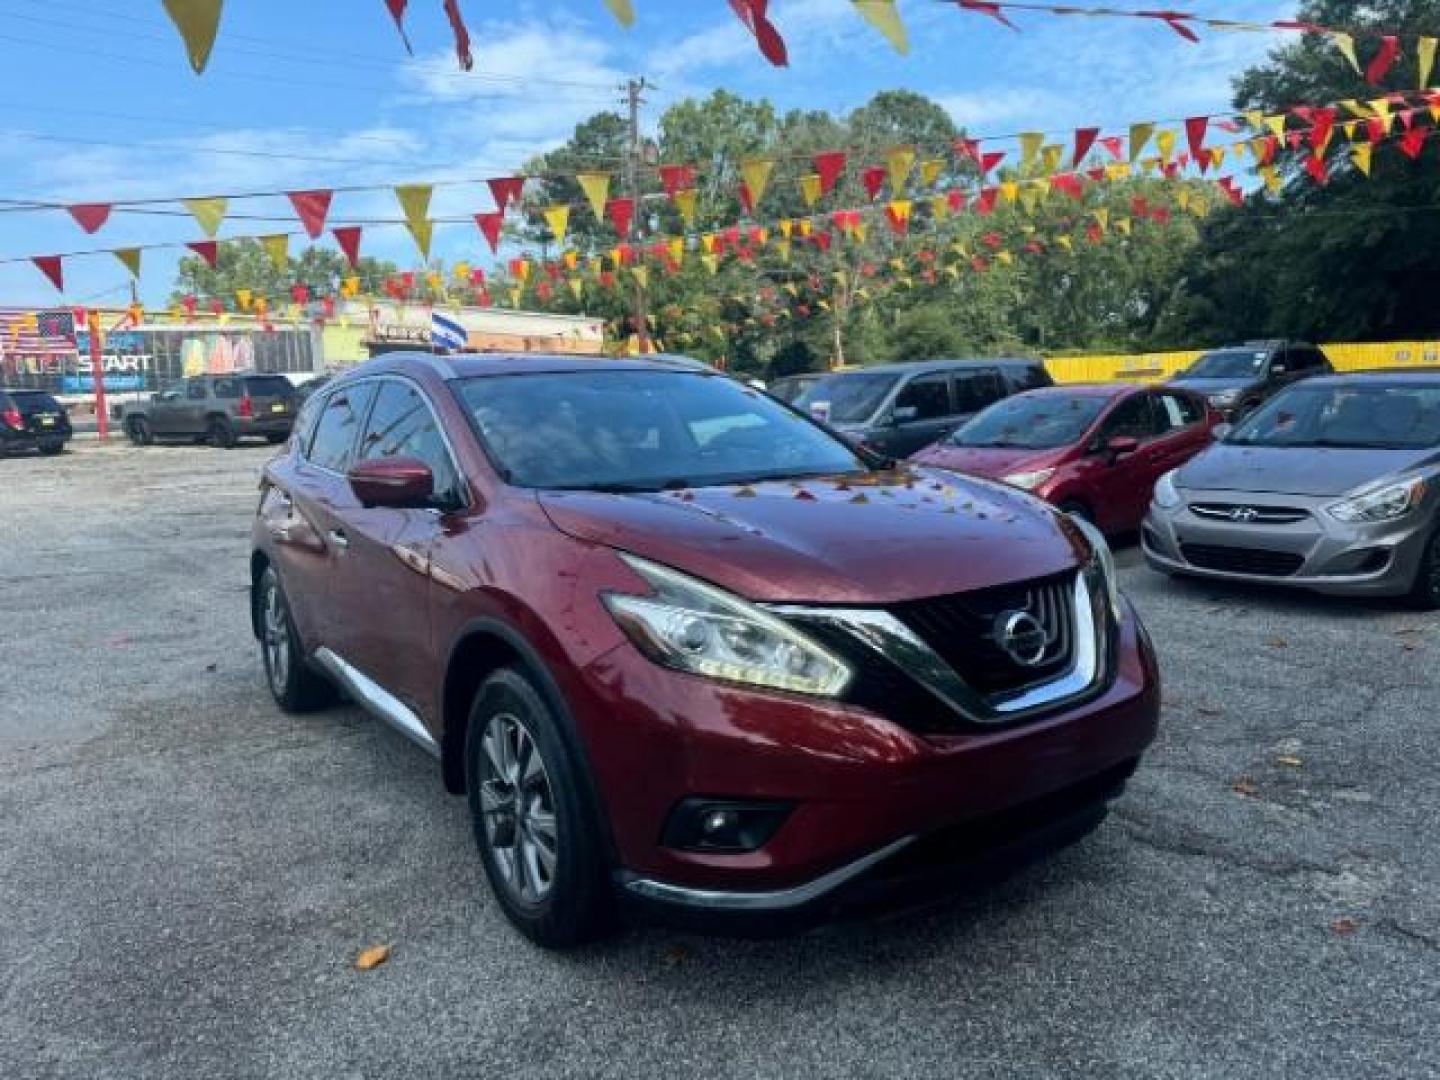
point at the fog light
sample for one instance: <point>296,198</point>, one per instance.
<point>713,825</point>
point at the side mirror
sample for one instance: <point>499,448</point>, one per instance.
<point>1117,446</point>
<point>903,414</point>
<point>398,483</point>
<point>1221,432</point>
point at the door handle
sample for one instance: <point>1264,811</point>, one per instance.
<point>338,540</point>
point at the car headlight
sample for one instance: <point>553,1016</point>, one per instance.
<point>1029,480</point>
<point>1224,397</point>
<point>1102,562</point>
<point>1383,503</point>
<point>694,627</point>
<point>1166,496</point>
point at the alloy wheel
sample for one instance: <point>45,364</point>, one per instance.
<point>518,807</point>
<point>276,639</point>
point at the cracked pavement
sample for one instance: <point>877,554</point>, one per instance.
<point>186,874</point>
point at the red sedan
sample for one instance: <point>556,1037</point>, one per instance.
<point>1092,450</point>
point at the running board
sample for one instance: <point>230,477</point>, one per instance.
<point>376,700</point>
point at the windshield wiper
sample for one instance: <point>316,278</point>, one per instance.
<point>641,487</point>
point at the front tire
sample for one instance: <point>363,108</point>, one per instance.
<point>51,449</point>
<point>138,428</point>
<point>296,686</point>
<point>220,433</point>
<point>1425,593</point>
<point>537,834</point>
<point>276,440</point>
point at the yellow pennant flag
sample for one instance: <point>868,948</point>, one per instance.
<point>810,188</point>
<point>641,275</point>
<point>1010,191</point>
<point>572,259</point>
<point>1165,143</point>
<point>1217,155</point>
<point>899,161</point>
<point>707,243</point>
<point>1102,218</point>
<point>515,295</point>
<point>577,287</point>
<point>522,270</point>
<point>423,231</point>
<point>930,170</point>
<point>1349,127</point>
<point>1052,155</point>
<point>244,297</point>
<point>1360,155</point>
<point>1354,108</point>
<point>1139,136</point>
<point>350,287</point>
<point>882,15</point>
<point>1346,44</point>
<point>1200,206</point>
<point>1271,178</point>
<point>900,210</point>
<point>1255,118</point>
<point>805,226</point>
<point>623,11</point>
<point>1182,198</point>
<point>787,227</point>
<point>783,247</point>
<point>685,203</point>
<point>1067,243</point>
<point>677,249</point>
<point>557,220</point>
<point>208,212</point>
<point>1029,199</point>
<point>756,174</point>
<point>1118,170</point>
<point>1030,144</point>
<point>130,257</point>
<point>860,232</point>
<point>461,271</point>
<point>1425,59</point>
<point>198,22</point>
<point>939,207</point>
<point>435,282</point>
<point>1123,225</point>
<point>762,236</point>
<point>277,246</point>
<point>415,201</point>
<point>712,262</point>
<point>1382,110</point>
<point>1276,124</point>
<point>596,186</point>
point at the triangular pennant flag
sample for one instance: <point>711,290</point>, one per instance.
<point>1139,136</point>
<point>490,223</point>
<point>1165,143</point>
<point>1030,143</point>
<point>423,231</point>
<point>208,250</point>
<point>897,213</point>
<point>810,189</point>
<point>1413,142</point>
<point>641,275</point>
<point>874,179</point>
<point>1276,124</point>
<point>756,174</point>
<point>1360,155</point>
<point>1346,44</point>
<point>53,267</point>
<point>828,166</point>
<point>753,14</point>
<point>1425,59</point>
<point>1102,218</point>
<point>506,190</point>
<point>277,246</point>
<point>940,206</point>
<point>348,238</point>
<point>577,286</point>
<point>1384,59</point>
<point>1084,140</point>
<point>625,15</point>
<point>415,201</point>
<point>685,204</point>
<point>557,219</point>
<point>209,213</point>
<point>882,15</point>
<point>676,178</point>
<point>313,207</point>
<point>130,259</point>
<point>596,186</point>
<point>198,22</point>
<point>1195,128</point>
<point>711,262</point>
<point>898,163</point>
<point>930,170</point>
<point>622,212</point>
<point>90,216</point>
<point>244,298</point>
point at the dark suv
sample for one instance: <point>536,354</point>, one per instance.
<point>681,645</point>
<point>898,408</point>
<point>219,409</point>
<point>32,420</point>
<point>1237,379</point>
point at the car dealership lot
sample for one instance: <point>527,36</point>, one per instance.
<point>186,874</point>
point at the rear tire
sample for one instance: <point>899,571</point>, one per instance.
<point>51,449</point>
<point>276,440</point>
<point>295,685</point>
<point>138,428</point>
<point>1425,593</point>
<point>220,433</point>
<point>1077,509</point>
<point>537,833</point>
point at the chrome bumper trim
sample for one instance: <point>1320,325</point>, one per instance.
<point>774,900</point>
<point>376,700</point>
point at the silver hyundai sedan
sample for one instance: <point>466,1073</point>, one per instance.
<point>1333,485</point>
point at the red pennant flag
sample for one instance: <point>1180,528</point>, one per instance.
<point>899,223</point>
<point>349,240</point>
<point>622,212</point>
<point>90,216</point>
<point>1069,183</point>
<point>993,240</point>
<point>874,179</point>
<point>1268,151</point>
<point>1195,128</point>
<point>217,308</point>
<point>990,160</point>
<point>1317,168</point>
<point>327,305</point>
<point>1097,176</point>
<point>1389,50</point>
<point>956,198</point>
<point>1413,142</point>
<point>1084,140</point>
<point>188,303</point>
<point>506,190</point>
<point>982,7</point>
<point>1294,138</point>
<point>1113,146</point>
<point>397,12</point>
<point>1407,118</point>
<point>747,203</point>
<point>968,148</point>
<point>753,14</point>
<point>986,203</point>
<point>677,178</point>
<point>1093,232</point>
<point>1232,192</point>
<point>313,207</point>
<point>462,36</point>
<point>829,166</point>
<point>490,227</point>
<point>52,266</point>
<point>300,293</point>
<point>1321,126</point>
<point>1375,130</point>
<point>822,241</point>
<point>209,250</point>
<point>1175,20</point>
<point>477,277</point>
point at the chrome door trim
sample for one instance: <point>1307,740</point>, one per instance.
<point>376,700</point>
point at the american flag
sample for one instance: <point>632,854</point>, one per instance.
<point>34,342</point>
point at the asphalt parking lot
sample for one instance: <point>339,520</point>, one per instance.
<point>187,874</point>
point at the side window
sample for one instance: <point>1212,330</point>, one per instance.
<point>335,432</point>
<point>402,425</point>
<point>1132,419</point>
<point>1029,377</point>
<point>227,388</point>
<point>1176,411</point>
<point>929,396</point>
<point>976,389</point>
<point>195,390</point>
<point>173,391</point>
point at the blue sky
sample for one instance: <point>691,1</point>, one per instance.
<point>97,102</point>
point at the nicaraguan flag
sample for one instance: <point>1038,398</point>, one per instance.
<point>446,333</point>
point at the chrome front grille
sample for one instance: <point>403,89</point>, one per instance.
<point>1247,514</point>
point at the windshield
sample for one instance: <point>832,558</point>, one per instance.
<point>846,399</point>
<point>269,386</point>
<point>644,431</point>
<point>1229,364</point>
<point>1385,417</point>
<point>791,387</point>
<point>1032,422</point>
<point>31,402</point>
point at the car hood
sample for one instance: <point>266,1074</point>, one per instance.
<point>988,461</point>
<point>1299,470</point>
<point>898,535</point>
<point>1211,386</point>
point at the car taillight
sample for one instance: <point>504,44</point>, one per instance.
<point>247,406</point>
<point>13,418</point>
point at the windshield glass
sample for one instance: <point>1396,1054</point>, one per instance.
<point>846,399</point>
<point>1386,417</point>
<point>269,386</point>
<point>1229,364</point>
<point>33,401</point>
<point>792,386</point>
<point>644,431</point>
<point>1032,422</point>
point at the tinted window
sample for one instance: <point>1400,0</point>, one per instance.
<point>1229,364</point>
<point>227,388</point>
<point>928,395</point>
<point>1034,421</point>
<point>195,390</point>
<point>1028,377</point>
<point>335,433</point>
<point>269,386</point>
<point>1402,417</point>
<point>32,403</point>
<point>1177,411</point>
<point>643,431</point>
<point>974,390</point>
<point>1132,418</point>
<point>846,399</point>
<point>402,425</point>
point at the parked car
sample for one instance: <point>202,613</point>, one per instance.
<point>308,387</point>
<point>683,647</point>
<point>1239,378</point>
<point>898,408</point>
<point>32,420</point>
<point>1095,451</point>
<point>788,388</point>
<point>219,409</point>
<point>1332,486</point>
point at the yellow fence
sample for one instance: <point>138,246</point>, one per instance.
<point>1151,367</point>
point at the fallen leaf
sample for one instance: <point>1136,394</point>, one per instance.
<point>1344,926</point>
<point>1244,786</point>
<point>1288,759</point>
<point>372,957</point>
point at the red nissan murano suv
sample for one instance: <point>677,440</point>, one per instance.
<point>684,648</point>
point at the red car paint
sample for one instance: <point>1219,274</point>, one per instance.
<point>1111,489</point>
<point>410,596</point>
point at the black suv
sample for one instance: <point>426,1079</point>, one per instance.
<point>897,409</point>
<point>219,409</point>
<point>32,420</point>
<point>1236,379</point>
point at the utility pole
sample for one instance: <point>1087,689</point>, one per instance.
<point>633,90</point>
